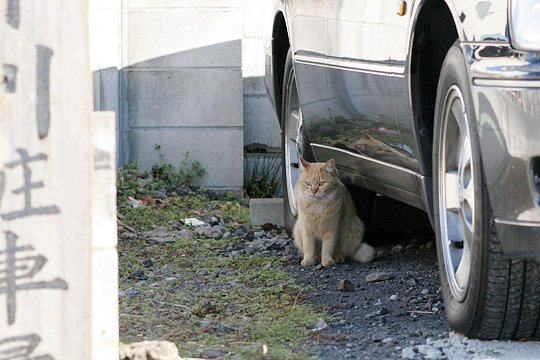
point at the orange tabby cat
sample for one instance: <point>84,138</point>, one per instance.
<point>327,229</point>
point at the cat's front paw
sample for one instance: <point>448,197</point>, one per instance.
<point>309,262</point>
<point>327,262</point>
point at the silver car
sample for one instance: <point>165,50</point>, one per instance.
<point>435,103</point>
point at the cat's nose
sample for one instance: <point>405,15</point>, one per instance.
<point>314,190</point>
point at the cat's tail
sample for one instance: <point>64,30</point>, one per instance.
<point>365,253</point>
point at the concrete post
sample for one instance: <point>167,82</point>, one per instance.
<point>46,186</point>
<point>105,333</point>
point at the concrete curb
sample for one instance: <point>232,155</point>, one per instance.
<point>266,210</point>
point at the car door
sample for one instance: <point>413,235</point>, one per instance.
<point>361,83</point>
<point>308,21</point>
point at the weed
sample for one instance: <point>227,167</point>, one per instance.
<point>165,174</point>
<point>262,176</point>
<point>162,180</point>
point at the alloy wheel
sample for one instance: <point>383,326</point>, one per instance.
<point>293,140</point>
<point>456,193</point>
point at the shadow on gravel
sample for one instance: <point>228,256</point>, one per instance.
<point>382,307</point>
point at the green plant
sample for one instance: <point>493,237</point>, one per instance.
<point>127,180</point>
<point>171,178</point>
<point>163,176</point>
<point>262,175</point>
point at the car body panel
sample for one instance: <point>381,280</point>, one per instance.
<point>355,89</point>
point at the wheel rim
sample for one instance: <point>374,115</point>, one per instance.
<point>294,140</point>
<point>456,191</point>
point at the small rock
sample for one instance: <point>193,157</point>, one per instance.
<point>439,344</point>
<point>408,353</point>
<point>203,272</point>
<point>139,275</point>
<point>383,311</point>
<point>213,354</point>
<point>214,232</point>
<point>318,267</point>
<point>148,263</point>
<point>425,291</point>
<point>345,285</point>
<point>320,325</point>
<point>393,297</point>
<point>430,352</point>
<point>378,276</point>
<point>268,266</point>
<point>165,269</point>
<point>160,193</point>
<point>377,338</point>
<point>130,292</point>
<point>210,220</point>
<point>240,230</point>
<point>155,350</point>
<point>128,236</point>
<point>193,222</point>
<point>396,249</point>
<point>185,234</point>
<point>135,203</point>
<point>259,234</point>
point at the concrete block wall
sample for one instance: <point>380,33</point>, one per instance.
<point>187,75</point>
<point>182,86</point>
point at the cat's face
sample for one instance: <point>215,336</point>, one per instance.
<point>318,179</point>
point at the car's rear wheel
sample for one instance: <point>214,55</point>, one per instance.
<point>294,141</point>
<point>485,295</point>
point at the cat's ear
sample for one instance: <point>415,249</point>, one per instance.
<point>330,167</point>
<point>304,164</point>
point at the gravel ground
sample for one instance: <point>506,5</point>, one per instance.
<point>392,308</point>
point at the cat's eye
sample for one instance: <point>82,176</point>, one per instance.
<point>308,183</point>
<point>322,183</point>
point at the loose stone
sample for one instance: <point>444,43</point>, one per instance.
<point>378,276</point>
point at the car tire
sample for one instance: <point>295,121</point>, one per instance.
<point>294,141</point>
<point>485,294</point>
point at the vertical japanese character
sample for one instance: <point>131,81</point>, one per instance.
<point>13,13</point>
<point>15,272</point>
<point>43,70</point>
<point>21,348</point>
<point>9,78</point>
<point>26,189</point>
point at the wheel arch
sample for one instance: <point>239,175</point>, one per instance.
<point>435,29</point>
<point>280,47</point>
